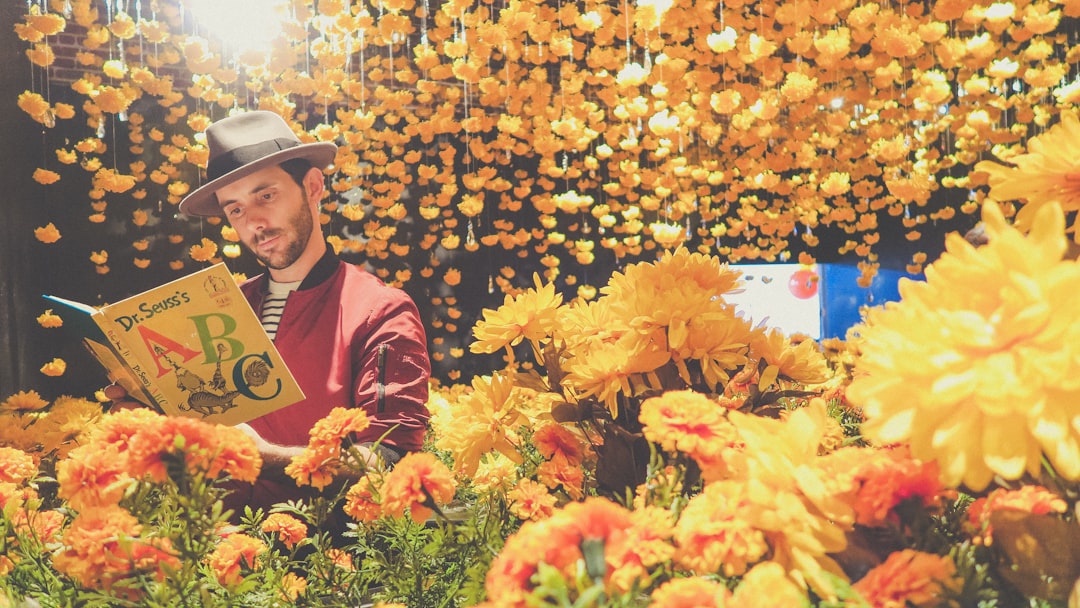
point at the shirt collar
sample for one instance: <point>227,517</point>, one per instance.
<point>322,269</point>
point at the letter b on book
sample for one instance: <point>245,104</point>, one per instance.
<point>214,330</point>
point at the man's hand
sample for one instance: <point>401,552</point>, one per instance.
<point>120,398</point>
<point>275,457</point>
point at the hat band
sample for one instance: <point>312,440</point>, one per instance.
<point>238,157</point>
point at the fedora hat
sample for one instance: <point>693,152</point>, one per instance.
<point>243,144</point>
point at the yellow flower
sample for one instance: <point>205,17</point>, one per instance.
<point>24,400</point>
<point>799,361</point>
<point>47,233</point>
<point>204,251</point>
<point>46,23</point>
<point>690,423</point>
<point>114,68</point>
<point>34,104</point>
<point>484,420</point>
<point>799,503</point>
<point>56,367</point>
<point>1048,173</point>
<point>529,315</point>
<point>45,176</point>
<point>975,367</point>
<point>606,367</point>
<point>67,421</point>
<point>42,54</point>
<point>48,319</point>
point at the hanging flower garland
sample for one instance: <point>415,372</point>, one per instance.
<point>555,133</point>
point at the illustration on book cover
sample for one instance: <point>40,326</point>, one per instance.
<point>214,396</point>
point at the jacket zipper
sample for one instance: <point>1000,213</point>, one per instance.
<point>380,383</point>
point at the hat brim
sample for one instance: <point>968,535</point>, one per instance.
<point>203,201</point>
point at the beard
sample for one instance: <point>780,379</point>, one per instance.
<point>297,233</point>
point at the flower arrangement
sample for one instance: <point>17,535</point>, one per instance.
<point>651,447</point>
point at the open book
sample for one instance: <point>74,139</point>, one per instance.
<point>190,347</point>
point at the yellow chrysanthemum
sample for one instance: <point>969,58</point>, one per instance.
<point>24,401</point>
<point>800,361</point>
<point>976,367</point>
<point>527,316</point>
<point>484,420</point>
<point>801,505</point>
<point>1048,173</point>
<point>604,368</point>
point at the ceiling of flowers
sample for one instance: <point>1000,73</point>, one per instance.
<point>496,137</point>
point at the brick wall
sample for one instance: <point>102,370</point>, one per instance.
<point>66,68</point>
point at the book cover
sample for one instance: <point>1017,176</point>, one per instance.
<point>190,347</point>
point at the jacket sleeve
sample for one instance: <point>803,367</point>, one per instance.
<point>392,372</point>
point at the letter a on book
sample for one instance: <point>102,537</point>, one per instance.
<point>190,347</point>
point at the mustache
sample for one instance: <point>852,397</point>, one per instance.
<point>267,235</point>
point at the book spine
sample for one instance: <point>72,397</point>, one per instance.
<point>136,368</point>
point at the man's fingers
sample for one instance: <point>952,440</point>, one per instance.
<point>115,392</point>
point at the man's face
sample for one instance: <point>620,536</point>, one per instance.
<point>272,215</point>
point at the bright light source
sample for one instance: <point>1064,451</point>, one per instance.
<point>242,25</point>
<point>837,103</point>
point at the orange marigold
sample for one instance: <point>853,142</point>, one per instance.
<point>292,586</point>
<point>93,475</point>
<point>16,466</point>
<point>47,234</point>
<point>49,319</point>
<point>318,463</point>
<point>362,501</point>
<point>417,483</point>
<point>560,541</point>
<point>908,578</point>
<point>289,529</point>
<point>235,554</point>
<point>45,176</point>
<point>556,442</point>
<point>1036,500</point>
<point>54,368</point>
<point>713,533</point>
<point>337,426</point>
<point>691,423</point>
<point>162,440</point>
<point>560,473</point>
<point>646,543</point>
<point>235,454</point>
<point>694,592</point>
<point>44,526</point>
<point>886,478</point>
<point>103,545</point>
<point>768,584</point>
<point>313,467</point>
<point>531,500</point>
<point>204,251</point>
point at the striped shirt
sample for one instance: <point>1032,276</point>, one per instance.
<point>274,305</point>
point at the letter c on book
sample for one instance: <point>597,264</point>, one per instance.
<point>246,376</point>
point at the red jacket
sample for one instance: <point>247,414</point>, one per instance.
<point>350,341</point>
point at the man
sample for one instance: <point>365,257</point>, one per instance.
<point>349,339</point>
